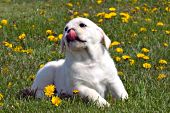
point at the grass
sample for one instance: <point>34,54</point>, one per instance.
<point>147,93</point>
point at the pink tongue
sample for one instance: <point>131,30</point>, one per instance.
<point>71,36</point>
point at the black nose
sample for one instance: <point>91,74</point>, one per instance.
<point>70,30</point>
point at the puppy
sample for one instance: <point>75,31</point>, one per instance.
<point>87,66</point>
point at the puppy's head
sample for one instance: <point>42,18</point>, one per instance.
<point>79,33</point>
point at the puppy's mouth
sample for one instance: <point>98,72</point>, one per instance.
<point>72,36</point>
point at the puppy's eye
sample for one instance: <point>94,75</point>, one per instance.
<point>66,28</point>
<point>82,25</point>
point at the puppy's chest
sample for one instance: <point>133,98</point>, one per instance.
<point>90,71</point>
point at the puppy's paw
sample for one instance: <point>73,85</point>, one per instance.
<point>124,96</point>
<point>102,103</point>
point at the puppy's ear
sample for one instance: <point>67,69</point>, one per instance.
<point>62,49</point>
<point>105,38</point>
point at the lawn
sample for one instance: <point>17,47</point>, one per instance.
<point>30,34</point>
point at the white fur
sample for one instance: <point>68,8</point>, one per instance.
<point>87,67</point>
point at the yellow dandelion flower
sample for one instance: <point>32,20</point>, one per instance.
<point>145,50</point>
<point>9,84</point>
<point>167,9</point>
<point>160,67</point>
<point>146,57</point>
<point>100,14</point>
<point>100,20</point>
<point>140,55</point>
<point>22,36</point>
<point>119,50</point>
<point>165,44</point>
<point>154,30</point>
<point>125,57</point>
<point>1,96</point>
<point>154,9</point>
<point>0,26</point>
<point>143,29</point>
<point>51,38</point>
<point>162,61</point>
<point>112,9</point>
<point>41,65</point>
<point>118,59</point>
<point>148,20</point>
<point>107,16</point>
<point>4,22</point>
<point>120,73</point>
<point>1,104</point>
<point>75,13</point>
<point>75,91</point>
<point>60,36</point>
<point>49,32</point>
<point>99,1</point>
<point>18,49</point>
<point>161,76</point>
<point>49,90</point>
<point>132,62</point>
<point>56,100</point>
<point>115,43</point>
<point>167,32</point>
<point>160,24</point>
<point>7,44</point>
<point>86,14</point>
<point>69,4</point>
<point>147,66</point>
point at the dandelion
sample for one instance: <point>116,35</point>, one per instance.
<point>112,9</point>
<point>118,59</point>
<point>7,44</point>
<point>60,36</point>
<point>41,65</point>
<point>162,61</point>
<point>51,38</point>
<point>100,20</point>
<point>99,1</point>
<point>140,55</point>
<point>160,24</point>
<point>75,13</point>
<point>132,62</point>
<point>49,32</point>
<point>1,96</point>
<point>146,57</point>
<point>143,29</point>
<point>49,90</point>
<point>125,57</point>
<point>125,17</point>
<point>148,20</point>
<point>4,22</point>
<point>154,30</point>
<point>22,36</point>
<point>0,27</point>
<point>75,91</point>
<point>86,14</point>
<point>9,84</point>
<point>145,50</point>
<point>100,14</point>
<point>120,73</point>
<point>165,44</point>
<point>146,65</point>
<point>115,43</point>
<point>167,32</point>
<point>69,4</point>
<point>119,50</point>
<point>56,100</point>
<point>167,9</point>
<point>161,76</point>
<point>1,104</point>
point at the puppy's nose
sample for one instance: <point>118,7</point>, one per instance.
<point>71,35</point>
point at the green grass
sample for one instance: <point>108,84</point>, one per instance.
<point>147,94</point>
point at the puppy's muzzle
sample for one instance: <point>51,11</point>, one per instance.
<point>72,36</point>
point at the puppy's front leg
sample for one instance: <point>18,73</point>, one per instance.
<point>45,76</point>
<point>117,88</point>
<point>93,95</point>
